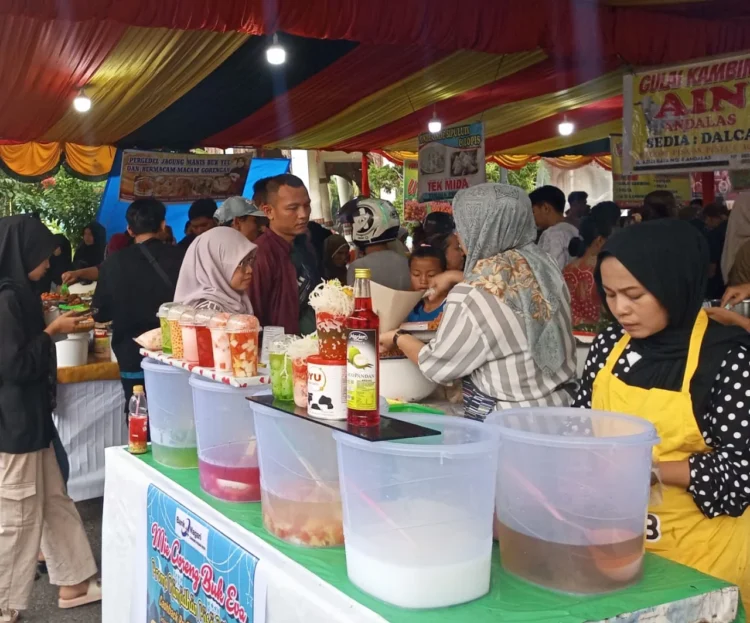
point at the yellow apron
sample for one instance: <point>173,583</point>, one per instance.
<point>676,528</point>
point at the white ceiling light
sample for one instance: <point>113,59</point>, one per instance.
<point>435,125</point>
<point>82,103</point>
<point>566,128</point>
<point>276,54</point>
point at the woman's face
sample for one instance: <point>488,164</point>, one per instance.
<point>57,252</point>
<point>422,270</point>
<point>454,253</point>
<point>243,274</point>
<point>39,271</point>
<point>634,307</point>
<point>88,237</point>
<point>247,226</point>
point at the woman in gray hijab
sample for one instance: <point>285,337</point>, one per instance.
<point>506,331</point>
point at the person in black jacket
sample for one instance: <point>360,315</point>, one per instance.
<point>32,492</point>
<point>132,285</point>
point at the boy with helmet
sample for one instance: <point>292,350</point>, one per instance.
<point>375,223</point>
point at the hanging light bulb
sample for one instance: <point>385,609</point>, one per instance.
<point>82,102</point>
<point>276,54</point>
<point>435,125</point>
<point>566,128</point>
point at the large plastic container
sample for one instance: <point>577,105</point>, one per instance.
<point>418,513</point>
<point>227,448</point>
<point>572,494</point>
<point>299,478</point>
<point>170,401</point>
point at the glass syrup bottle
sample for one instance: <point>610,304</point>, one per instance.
<point>363,356</point>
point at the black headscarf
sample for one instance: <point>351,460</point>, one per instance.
<point>58,264</point>
<point>24,244</point>
<point>670,259</point>
<point>88,256</point>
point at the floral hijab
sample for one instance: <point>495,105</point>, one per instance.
<point>496,224</point>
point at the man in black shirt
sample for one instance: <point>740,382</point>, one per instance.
<point>134,283</point>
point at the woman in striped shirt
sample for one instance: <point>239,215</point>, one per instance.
<point>506,331</point>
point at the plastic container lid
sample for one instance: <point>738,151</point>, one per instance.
<point>322,361</point>
<point>223,388</point>
<point>187,319</point>
<point>458,436</point>
<point>243,323</point>
<point>219,320</point>
<point>176,311</point>
<point>281,345</point>
<point>554,426</point>
<point>164,309</point>
<point>155,366</point>
<point>203,317</point>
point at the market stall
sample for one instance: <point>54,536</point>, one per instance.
<point>311,585</point>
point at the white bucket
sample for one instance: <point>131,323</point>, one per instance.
<point>73,351</point>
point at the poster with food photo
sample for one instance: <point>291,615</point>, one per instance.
<point>182,178</point>
<point>450,160</point>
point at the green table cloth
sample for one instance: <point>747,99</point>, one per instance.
<point>510,599</point>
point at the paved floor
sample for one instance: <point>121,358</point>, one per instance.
<point>44,598</point>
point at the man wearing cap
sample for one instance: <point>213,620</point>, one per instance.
<point>242,215</point>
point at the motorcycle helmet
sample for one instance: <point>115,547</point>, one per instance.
<point>372,221</point>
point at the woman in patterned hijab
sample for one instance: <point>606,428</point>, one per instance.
<point>506,330</point>
<point>496,226</point>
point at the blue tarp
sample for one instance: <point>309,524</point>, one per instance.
<point>112,211</point>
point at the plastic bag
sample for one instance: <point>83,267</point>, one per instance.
<point>151,340</point>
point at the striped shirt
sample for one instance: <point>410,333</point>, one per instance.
<point>482,338</point>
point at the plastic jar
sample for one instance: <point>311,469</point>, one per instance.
<point>189,336</point>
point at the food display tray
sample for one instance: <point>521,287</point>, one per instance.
<point>389,429</point>
<point>263,379</point>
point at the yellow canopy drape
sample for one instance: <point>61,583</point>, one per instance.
<point>34,160</point>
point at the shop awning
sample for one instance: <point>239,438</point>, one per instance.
<point>359,76</point>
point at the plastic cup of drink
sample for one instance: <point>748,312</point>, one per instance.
<point>331,335</point>
<point>189,336</point>
<point>166,334</point>
<point>282,376</point>
<point>299,372</point>
<point>220,343</point>
<point>242,332</point>
<point>175,331</point>
<point>203,338</point>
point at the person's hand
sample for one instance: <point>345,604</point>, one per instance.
<point>728,317</point>
<point>441,284</point>
<point>386,340</point>
<point>65,323</point>
<point>70,277</point>
<point>735,294</point>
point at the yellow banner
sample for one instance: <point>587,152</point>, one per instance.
<point>628,191</point>
<point>689,117</point>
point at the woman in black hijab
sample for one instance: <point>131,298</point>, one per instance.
<point>90,252</point>
<point>668,363</point>
<point>31,485</point>
<point>59,262</point>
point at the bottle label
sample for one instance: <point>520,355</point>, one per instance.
<point>362,369</point>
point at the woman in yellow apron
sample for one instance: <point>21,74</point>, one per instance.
<point>666,362</point>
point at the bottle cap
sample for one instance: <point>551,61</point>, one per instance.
<point>138,389</point>
<point>362,273</point>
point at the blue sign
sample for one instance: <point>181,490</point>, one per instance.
<point>195,573</point>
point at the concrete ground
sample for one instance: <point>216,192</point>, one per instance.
<point>44,598</point>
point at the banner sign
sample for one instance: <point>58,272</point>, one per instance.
<point>692,117</point>
<point>451,160</point>
<point>181,178</point>
<point>195,573</point>
<point>411,180</point>
<point>629,191</point>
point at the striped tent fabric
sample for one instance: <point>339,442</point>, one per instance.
<point>359,76</point>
